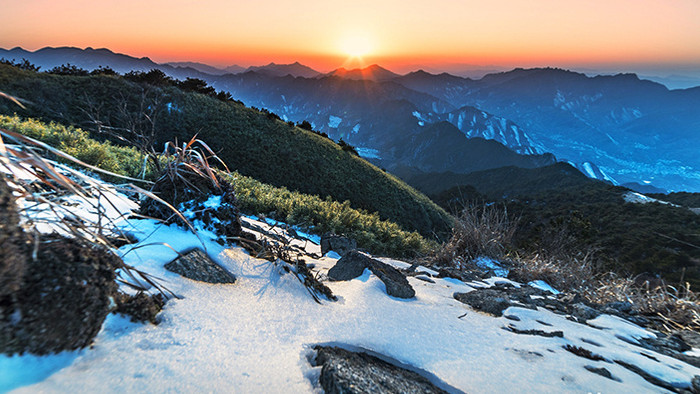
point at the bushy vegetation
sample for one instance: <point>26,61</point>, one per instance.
<point>147,107</point>
<point>254,197</point>
<point>75,142</point>
<point>325,215</point>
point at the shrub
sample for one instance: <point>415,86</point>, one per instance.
<point>325,215</point>
<point>485,230</point>
<point>75,142</point>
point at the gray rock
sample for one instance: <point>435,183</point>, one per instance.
<point>349,372</point>
<point>349,266</point>
<point>620,306</point>
<point>396,283</point>
<point>196,265</point>
<point>490,301</point>
<point>354,263</point>
<point>337,243</point>
<point>584,312</point>
<point>695,384</point>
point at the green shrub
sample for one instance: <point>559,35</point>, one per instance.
<point>75,142</point>
<point>325,215</point>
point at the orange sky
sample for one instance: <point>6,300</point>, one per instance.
<point>578,33</point>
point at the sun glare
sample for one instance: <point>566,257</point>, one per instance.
<point>356,45</point>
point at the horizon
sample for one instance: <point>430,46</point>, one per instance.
<point>461,70</point>
<point>442,36</point>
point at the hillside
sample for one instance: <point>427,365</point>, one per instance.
<point>254,143</point>
<point>503,182</point>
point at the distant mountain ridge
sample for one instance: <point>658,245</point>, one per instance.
<point>205,68</point>
<point>371,73</point>
<point>630,129</point>
<point>295,69</point>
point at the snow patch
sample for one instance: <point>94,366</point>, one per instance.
<point>334,121</point>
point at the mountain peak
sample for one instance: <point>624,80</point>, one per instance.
<point>373,72</point>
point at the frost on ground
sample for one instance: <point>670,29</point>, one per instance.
<point>258,334</point>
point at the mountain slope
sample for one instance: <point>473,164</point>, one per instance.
<point>252,142</point>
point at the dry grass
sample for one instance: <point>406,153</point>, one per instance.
<point>669,307</point>
<point>566,272</point>
<point>479,231</point>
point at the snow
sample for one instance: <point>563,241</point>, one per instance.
<point>639,198</point>
<point>589,170</point>
<point>544,286</point>
<point>334,121</point>
<point>368,153</point>
<point>488,263</point>
<point>257,334</point>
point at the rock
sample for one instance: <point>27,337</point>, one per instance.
<point>349,372</point>
<point>396,283</point>
<point>349,266</point>
<point>337,243</point>
<point>196,265</point>
<point>695,384</point>
<point>620,307</point>
<point>12,245</point>
<point>354,263</point>
<point>601,371</point>
<point>64,297</point>
<point>490,301</point>
<point>583,312</point>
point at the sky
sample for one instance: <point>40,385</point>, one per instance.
<point>399,34</point>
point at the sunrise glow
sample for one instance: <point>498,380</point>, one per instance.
<point>397,34</point>
<point>356,45</point>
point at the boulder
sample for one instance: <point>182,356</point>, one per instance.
<point>344,371</point>
<point>196,265</point>
<point>337,243</point>
<point>349,266</point>
<point>354,263</point>
<point>490,301</point>
<point>396,283</point>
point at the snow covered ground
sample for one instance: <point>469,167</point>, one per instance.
<point>257,335</point>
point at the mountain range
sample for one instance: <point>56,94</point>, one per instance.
<point>616,127</point>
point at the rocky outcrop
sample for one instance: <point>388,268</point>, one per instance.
<point>344,371</point>
<point>354,263</point>
<point>196,265</point>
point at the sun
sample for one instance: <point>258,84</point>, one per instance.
<point>356,45</point>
